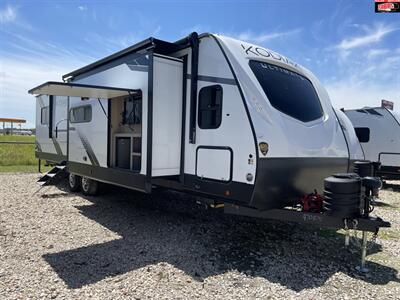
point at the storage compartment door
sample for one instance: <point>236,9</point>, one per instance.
<point>214,163</point>
<point>390,159</point>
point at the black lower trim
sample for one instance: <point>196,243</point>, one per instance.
<point>51,157</point>
<point>113,176</point>
<point>234,192</point>
<point>282,181</point>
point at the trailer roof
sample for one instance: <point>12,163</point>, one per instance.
<point>80,90</point>
<point>158,46</point>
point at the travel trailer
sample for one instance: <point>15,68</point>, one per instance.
<point>208,115</point>
<point>378,130</point>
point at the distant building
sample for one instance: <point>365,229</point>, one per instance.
<point>11,121</point>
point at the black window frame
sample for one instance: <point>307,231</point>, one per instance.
<point>217,108</point>
<point>79,107</point>
<point>46,122</point>
<point>362,132</point>
<point>319,114</point>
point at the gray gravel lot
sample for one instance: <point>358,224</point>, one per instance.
<point>123,245</point>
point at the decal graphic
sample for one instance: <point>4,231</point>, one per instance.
<point>57,146</point>
<point>262,52</point>
<point>89,149</point>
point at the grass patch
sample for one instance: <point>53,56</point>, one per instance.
<point>23,169</point>
<point>17,158</point>
<point>17,138</point>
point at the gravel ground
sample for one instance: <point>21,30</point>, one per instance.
<point>122,245</point>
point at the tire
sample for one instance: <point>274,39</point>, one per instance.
<point>89,186</point>
<point>74,182</point>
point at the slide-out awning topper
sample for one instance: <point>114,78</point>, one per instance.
<point>80,90</point>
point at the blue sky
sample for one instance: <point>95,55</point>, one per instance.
<point>352,50</point>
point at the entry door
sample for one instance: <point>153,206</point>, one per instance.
<point>60,124</point>
<point>213,158</point>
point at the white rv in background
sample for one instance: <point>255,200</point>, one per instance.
<point>208,115</point>
<point>378,130</point>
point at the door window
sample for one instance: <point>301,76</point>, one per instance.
<point>210,107</point>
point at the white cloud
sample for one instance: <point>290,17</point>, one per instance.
<point>8,14</point>
<point>357,95</point>
<point>82,7</point>
<point>28,63</point>
<point>372,36</point>
<point>116,42</point>
<point>376,53</point>
<point>18,76</point>
<point>263,37</point>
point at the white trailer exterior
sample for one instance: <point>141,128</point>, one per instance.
<point>208,115</point>
<point>378,130</point>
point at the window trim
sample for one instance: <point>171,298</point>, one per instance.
<point>81,106</point>
<point>279,110</point>
<point>221,106</point>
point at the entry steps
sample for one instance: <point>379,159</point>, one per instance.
<point>54,176</point>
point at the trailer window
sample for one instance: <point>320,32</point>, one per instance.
<point>81,114</point>
<point>288,91</point>
<point>210,107</point>
<point>132,113</point>
<point>362,134</point>
<point>44,115</point>
<point>373,112</point>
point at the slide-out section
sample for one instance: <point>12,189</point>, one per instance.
<point>167,115</point>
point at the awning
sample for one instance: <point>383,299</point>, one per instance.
<point>80,90</point>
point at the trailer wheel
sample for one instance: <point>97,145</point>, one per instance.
<point>74,182</point>
<point>90,187</point>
